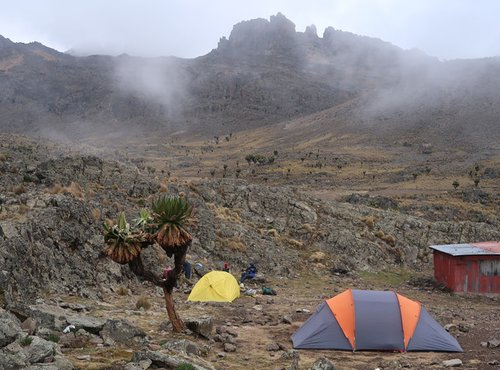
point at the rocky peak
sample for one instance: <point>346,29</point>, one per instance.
<point>5,41</point>
<point>260,36</point>
<point>311,32</point>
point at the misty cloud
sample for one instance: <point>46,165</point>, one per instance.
<point>159,81</point>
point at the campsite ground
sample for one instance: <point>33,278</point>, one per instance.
<point>258,322</point>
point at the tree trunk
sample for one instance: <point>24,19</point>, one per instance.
<point>177,324</point>
<point>167,285</point>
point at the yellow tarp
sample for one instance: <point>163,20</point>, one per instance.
<point>216,286</point>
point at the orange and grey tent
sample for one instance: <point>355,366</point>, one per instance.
<point>373,320</point>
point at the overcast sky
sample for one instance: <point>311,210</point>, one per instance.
<point>447,29</point>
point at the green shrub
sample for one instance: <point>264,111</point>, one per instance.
<point>53,338</point>
<point>26,341</point>
<point>185,366</point>
<point>28,178</point>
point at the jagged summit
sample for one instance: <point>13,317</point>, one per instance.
<point>259,38</point>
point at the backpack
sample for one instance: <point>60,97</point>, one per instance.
<point>268,291</point>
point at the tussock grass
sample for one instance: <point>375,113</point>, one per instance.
<point>389,239</point>
<point>317,257</point>
<point>96,213</point>
<point>224,213</point>
<point>73,188</point>
<point>293,242</point>
<point>18,189</point>
<point>122,290</point>
<point>234,243</point>
<point>23,209</point>
<point>273,233</point>
<point>369,221</point>
<point>309,228</point>
<point>143,302</point>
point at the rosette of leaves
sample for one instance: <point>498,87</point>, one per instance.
<point>123,243</point>
<point>171,215</point>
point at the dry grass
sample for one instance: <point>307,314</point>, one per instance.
<point>23,209</point>
<point>18,189</point>
<point>96,213</point>
<point>56,189</point>
<point>273,233</point>
<point>224,213</point>
<point>293,242</point>
<point>143,302</point>
<point>123,291</point>
<point>74,189</point>
<point>379,234</point>
<point>369,221</point>
<point>309,228</point>
<point>317,257</point>
<point>163,188</point>
<point>234,243</point>
<point>389,239</point>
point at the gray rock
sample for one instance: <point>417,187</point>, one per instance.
<point>46,316</point>
<point>287,319</point>
<point>16,360</point>
<point>464,328</point>
<point>159,359</point>
<point>456,362</point>
<point>141,365</point>
<point>450,327</point>
<point>89,323</point>
<point>183,345</point>
<point>39,350</point>
<point>71,340</point>
<point>273,347</point>
<point>322,364</point>
<point>9,328</point>
<point>121,332</point>
<point>493,343</point>
<point>29,326</point>
<point>229,347</point>
<point>202,325</point>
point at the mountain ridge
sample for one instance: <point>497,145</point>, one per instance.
<point>264,73</point>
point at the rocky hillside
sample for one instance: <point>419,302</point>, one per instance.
<point>54,201</point>
<point>265,72</point>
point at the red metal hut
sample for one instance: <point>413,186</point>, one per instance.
<point>468,268</point>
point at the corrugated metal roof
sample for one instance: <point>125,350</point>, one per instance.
<point>473,249</point>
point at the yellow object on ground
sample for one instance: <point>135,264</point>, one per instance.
<point>216,286</point>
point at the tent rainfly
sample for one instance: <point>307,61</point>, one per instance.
<point>373,320</point>
<point>216,286</point>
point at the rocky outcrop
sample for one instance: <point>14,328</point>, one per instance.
<point>51,239</point>
<point>18,350</point>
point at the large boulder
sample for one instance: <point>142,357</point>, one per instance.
<point>121,332</point>
<point>10,327</point>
